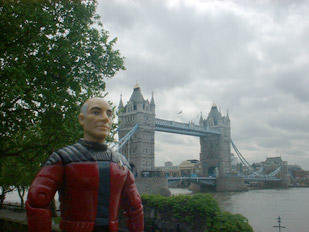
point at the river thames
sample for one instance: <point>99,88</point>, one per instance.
<point>262,207</point>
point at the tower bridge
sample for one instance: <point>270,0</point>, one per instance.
<point>214,133</point>
<point>137,126</point>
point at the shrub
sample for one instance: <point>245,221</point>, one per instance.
<point>200,212</point>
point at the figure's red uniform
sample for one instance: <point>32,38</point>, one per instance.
<point>93,182</point>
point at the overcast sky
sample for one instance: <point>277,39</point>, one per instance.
<point>250,57</point>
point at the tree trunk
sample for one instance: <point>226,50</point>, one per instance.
<point>21,193</point>
<point>3,192</point>
<point>2,197</point>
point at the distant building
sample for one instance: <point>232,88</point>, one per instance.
<point>234,159</point>
<point>257,166</point>
<point>298,175</point>
<point>190,167</point>
<point>234,164</point>
<point>272,163</point>
<point>168,164</point>
<point>168,170</point>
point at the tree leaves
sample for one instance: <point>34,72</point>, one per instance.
<point>53,56</point>
<point>198,211</point>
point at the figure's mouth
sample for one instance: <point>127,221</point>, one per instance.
<point>103,127</point>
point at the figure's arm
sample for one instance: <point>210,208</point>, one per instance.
<point>132,204</point>
<point>41,193</point>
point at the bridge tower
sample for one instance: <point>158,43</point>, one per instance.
<point>215,153</point>
<point>139,150</point>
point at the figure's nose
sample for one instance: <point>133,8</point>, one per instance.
<point>104,117</point>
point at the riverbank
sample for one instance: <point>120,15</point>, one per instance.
<point>186,213</point>
<point>261,206</point>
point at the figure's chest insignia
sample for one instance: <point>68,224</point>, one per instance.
<point>120,164</point>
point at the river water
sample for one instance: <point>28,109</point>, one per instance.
<point>261,207</point>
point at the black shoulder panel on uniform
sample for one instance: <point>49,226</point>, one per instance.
<point>74,153</point>
<point>53,158</point>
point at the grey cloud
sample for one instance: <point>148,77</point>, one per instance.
<point>290,122</point>
<point>295,83</point>
<point>249,57</point>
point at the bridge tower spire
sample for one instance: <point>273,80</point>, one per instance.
<point>139,150</point>
<point>201,122</point>
<point>152,104</point>
<point>120,106</point>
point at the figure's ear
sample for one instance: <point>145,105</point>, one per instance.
<point>81,119</point>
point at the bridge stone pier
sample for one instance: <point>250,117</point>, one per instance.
<point>214,132</point>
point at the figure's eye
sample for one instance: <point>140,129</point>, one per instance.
<point>109,114</point>
<point>95,112</point>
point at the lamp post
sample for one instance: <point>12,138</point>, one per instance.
<point>279,224</point>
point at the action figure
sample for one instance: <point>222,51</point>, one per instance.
<point>92,181</point>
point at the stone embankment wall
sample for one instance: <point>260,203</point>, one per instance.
<point>223,184</point>
<point>230,184</point>
<point>158,219</point>
<point>155,221</point>
<point>152,185</point>
<point>164,220</point>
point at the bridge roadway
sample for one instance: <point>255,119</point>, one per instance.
<point>210,180</point>
<point>262,179</point>
<point>183,128</point>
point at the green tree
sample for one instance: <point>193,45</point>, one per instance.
<point>17,172</point>
<point>53,56</point>
<point>228,222</point>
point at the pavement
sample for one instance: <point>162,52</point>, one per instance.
<point>19,217</point>
<point>14,216</point>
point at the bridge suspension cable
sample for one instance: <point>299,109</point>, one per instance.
<point>254,173</point>
<point>242,159</point>
<point>123,141</point>
<point>274,172</point>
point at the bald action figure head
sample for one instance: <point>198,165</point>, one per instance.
<point>96,119</point>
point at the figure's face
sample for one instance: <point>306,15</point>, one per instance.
<point>97,121</point>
